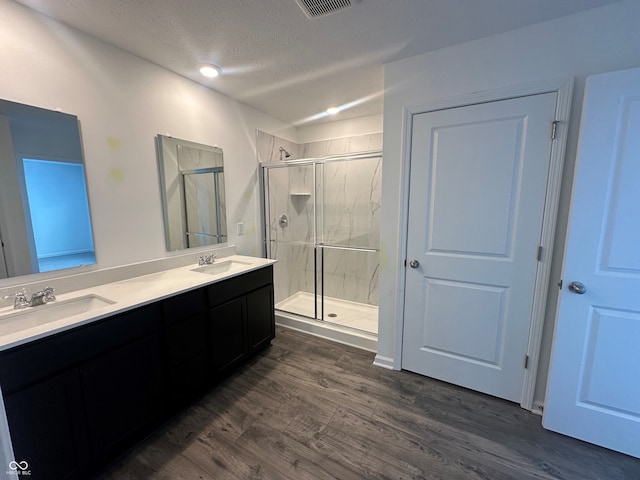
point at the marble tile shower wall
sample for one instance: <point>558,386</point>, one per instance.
<point>339,146</point>
<point>291,245</point>
<point>348,207</point>
<point>268,146</point>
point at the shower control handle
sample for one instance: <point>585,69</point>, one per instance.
<point>414,263</point>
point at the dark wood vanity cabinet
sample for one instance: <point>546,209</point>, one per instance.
<point>260,318</point>
<point>78,399</point>
<point>48,428</point>
<point>185,340</point>
<point>241,318</point>
<point>82,397</point>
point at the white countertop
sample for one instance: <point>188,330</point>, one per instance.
<point>126,295</point>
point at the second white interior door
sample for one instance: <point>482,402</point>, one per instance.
<point>476,204</point>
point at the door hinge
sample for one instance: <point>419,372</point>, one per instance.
<point>526,361</point>
<point>560,284</point>
<point>539,256</point>
<point>405,262</point>
<point>554,128</point>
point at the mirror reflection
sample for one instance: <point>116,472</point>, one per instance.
<point>193,195</point>
<point>45,222</point>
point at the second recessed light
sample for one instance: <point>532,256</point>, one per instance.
<point>210,71</point>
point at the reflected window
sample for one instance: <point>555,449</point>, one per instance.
<point>59,214</point>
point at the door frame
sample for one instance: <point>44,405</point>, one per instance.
<point>564,89</point>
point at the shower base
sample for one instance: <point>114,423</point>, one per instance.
<point>353,324</point>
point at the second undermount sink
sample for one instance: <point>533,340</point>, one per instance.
<point>222,266</point>
<point>31,317</point>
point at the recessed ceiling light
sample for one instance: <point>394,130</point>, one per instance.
<point>333,110</point>
<point>210,71</point>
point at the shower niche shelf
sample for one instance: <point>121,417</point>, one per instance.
<point>300,194</point>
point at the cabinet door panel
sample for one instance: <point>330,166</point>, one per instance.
<point>227,332</point>
<point>123,395</point>
<point>260,318</point>
<point>185,339</point>
<point>47,427</point>
<point>186,381</point>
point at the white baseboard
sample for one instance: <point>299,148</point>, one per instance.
<point>538,407</point>
<point>383,362</point>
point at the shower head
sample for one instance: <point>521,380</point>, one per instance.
<point>286,154</point>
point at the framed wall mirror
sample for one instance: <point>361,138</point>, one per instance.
<point>45,221</point>
<point>193,193</point>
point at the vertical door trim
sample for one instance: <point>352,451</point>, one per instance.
<point>564,89</point>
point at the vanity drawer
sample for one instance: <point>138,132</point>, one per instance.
<point>226,290</point>
<point>40,359</point>
<point>183,306</point>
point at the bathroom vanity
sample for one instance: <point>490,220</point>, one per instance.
<point>84,393</point>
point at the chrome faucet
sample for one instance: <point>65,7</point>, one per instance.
<point>207,259</point>
<point>20,299</point>
<point>45,295</point>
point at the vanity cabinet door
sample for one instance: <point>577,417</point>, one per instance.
<point>48,429</point>
<point>123,396</point>
<point>227,333</point>
<point>185,347</point>
<point>260,318</point>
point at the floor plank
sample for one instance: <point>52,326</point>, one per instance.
<point>311,409</point>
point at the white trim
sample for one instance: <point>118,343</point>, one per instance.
<point>383,362</point>
<point>335,333</point>
<point>407,128</point>
<point>547,237</point>
<point>564,88</point>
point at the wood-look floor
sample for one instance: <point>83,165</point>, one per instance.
<point>312,409</point>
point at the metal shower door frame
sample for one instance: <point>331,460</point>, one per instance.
<point>318,246</point>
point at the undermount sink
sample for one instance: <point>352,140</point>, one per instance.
<point>222,266</point>
<point>31,317</point>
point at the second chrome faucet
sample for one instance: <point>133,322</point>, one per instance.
<point>206,259</point>
<point>45,295</point>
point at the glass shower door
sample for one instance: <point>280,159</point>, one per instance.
<point>322,226</point>
<point>289,211</point>
<point>348,226</point>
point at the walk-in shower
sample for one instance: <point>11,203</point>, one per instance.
<point>322,225</point>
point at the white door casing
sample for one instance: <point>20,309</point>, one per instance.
<point>593,391</point>
<point>476,204</point>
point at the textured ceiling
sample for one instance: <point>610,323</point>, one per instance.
<point>277,60</point>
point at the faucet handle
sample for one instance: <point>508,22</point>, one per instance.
<point>49,294</point>
<point>20,299</point>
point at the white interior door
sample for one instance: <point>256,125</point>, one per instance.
<point>476,204</point>
<point>593,391</point>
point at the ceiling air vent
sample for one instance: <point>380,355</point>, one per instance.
<point>322,8</point>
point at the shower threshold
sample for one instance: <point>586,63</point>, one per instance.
<point>346,322</point>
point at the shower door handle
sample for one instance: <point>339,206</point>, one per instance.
<point>414,263</point>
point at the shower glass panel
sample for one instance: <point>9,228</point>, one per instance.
<point>290,234</point>
<point>322,225</point>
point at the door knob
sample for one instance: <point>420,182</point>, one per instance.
<point>414,263</point>
<point>577,287</point>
